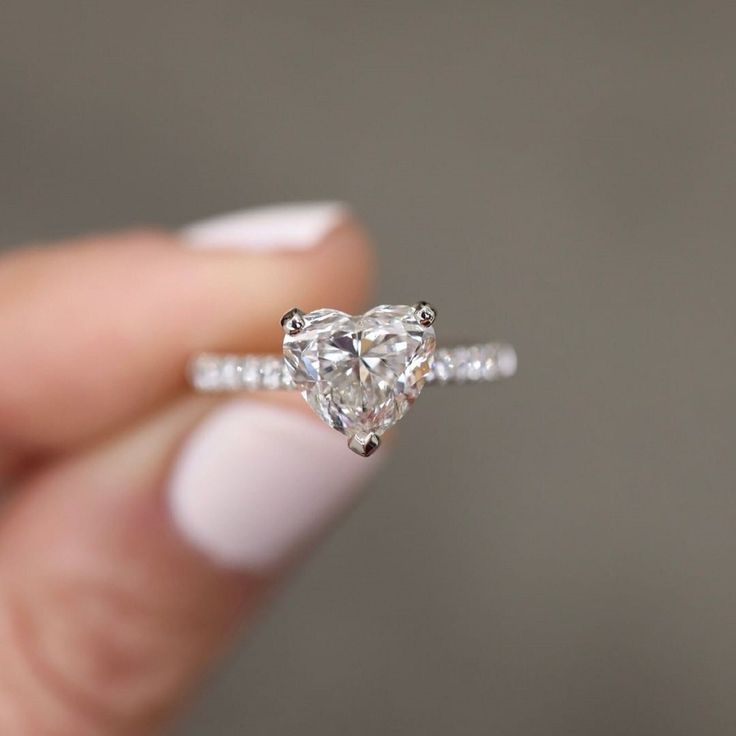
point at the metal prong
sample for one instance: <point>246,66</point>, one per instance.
<point>293,321</point>
<point>364,443</point>
<point>425,313</point>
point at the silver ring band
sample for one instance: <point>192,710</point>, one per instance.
<point>484,362</point>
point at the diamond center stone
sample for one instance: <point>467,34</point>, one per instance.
<point>360,374</point>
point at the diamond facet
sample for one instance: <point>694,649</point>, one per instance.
<point>360,374</point>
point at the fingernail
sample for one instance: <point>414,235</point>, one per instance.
<point>297,226</point>
<point>256,482</point>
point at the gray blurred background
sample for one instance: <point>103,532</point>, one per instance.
<point>552,555</point>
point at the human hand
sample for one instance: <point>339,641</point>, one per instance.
<point>144,523</point>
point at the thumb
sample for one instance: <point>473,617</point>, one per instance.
<point>125,570</point>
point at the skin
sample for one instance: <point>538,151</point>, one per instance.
<point>108,618</point>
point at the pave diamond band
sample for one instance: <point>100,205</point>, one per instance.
<point>212,373</point>
<point>360,374</point>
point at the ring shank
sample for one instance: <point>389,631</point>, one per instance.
<point>483,362</point>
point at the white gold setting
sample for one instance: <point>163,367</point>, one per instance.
<point>359,374</point>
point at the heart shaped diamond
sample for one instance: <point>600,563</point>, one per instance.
<point>360,374</point>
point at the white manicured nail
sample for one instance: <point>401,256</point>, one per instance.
<point>255,482</point>
<point>296,226</point>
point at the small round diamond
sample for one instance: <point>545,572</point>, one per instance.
<point>271,373</point>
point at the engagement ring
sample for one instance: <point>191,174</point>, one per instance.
<point>360,374</point>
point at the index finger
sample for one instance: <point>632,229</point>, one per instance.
<point>95,332</point>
